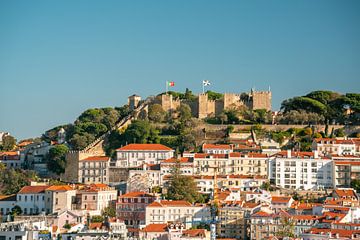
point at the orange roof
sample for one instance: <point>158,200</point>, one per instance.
<point>195,232</point>
<point>54,228</point>
<point>305,217</point>
<point>280,199</point>
<point>96,158</point>
<point>95,225</point>
<point>33,189</point>
<point>180,160</point>
<point>144,147</point>
<point>354,163</point>
<point>343,193</point>
<point>24,143</point>
<point>59,188</point>
<point>205,155</point>
<point>168,203</point>
<point>216,146</point>
<point>160,227</point>
<point>261,214</point>
<point>135,194</point>
<point>342,233</point>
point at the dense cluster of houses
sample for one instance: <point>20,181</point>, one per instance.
<point>253,185</point>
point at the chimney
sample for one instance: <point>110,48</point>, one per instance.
<point>288,153</point>
<point>316,154</point>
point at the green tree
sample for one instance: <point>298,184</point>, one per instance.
<point>184,112</point>
<point>355,183</point>
<point>109,212</point>
<point>183,187</point>
<point>16,210</point>
<point>223,118</point>
<point>56,158</point>
<point>286,228</point>
<point>12,180</point>
<point>214,95</point>
<point>8,143</point>
<point>141,131</point>
<point>156,113</point>
<point>97,219</point>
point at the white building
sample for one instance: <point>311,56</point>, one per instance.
<point>326,146</point>
<point>176,211</point>
<point>6,204</point>
<point>216,148</point>
<point>11,159</point>
<point>301,170</point>
<point>31,199</point>
<point>94,169</point>
<point>135,155</point>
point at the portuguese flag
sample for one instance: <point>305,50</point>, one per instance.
<point>171,84</point>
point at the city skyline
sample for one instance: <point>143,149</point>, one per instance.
<point>59,59</point>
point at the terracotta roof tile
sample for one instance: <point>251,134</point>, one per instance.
<point>167,203</point>
<point>161,227</point>
<point>144,147</point>
<point>59,188</point>
<point>135,194</point>
<point>216,146</point>
<point>96,158</point>
<point>33,189</point>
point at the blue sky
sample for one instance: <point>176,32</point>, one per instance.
<point>58,58</point>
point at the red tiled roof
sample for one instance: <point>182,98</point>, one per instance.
<point>354,163</point>
<point>95,225</point>
<point>180,160</point>
<point>33,189</point>
<point>342,233</point>
<point>160,227</point>
<point>167,203</point>
<point>204,155</point>
<point>216,146</point>
<point>144,147</point>
<point>135,194</point>
<point>59,188</point>
<point>343,193</point>
<point>305,217</point>
<point>195,233</point>
<point>261,214</point>
<point>96,158</point>
<point>280,199</point>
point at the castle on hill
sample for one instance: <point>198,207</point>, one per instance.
<point>203,107</point>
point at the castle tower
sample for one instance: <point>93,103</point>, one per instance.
<point>206,107</point>
<point>261,100</point>
<point>133,101</point>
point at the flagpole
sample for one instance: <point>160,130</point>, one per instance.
<point>166,87</point>
<point>203,87</point>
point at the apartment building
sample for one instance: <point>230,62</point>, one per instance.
<point>130,207</point>
<point>346,169</point>
<point>135,155</point>
<point>95,197</point>
<point>233,163</point>
<point>11,159</point>
<point>301,170</point>
<point>326,146</point>
<point>94,169</point>
<point>59,198</point>
<point>31,199</point>
<point>185,165</point>
<point>164,211</point>
<point>264,225</point>
<point>217,148</point>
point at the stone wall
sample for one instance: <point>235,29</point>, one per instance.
<point>261,100</point>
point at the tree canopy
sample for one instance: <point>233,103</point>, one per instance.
<point>8,143</point>
<point>56,158</point>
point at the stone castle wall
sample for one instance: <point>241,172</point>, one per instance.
<point>261,100</point>
<point>203,107</point>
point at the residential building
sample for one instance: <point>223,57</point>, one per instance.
<point>31,199</point>
<point>59,198</point>
<point>281,203</point>
<point>216,148</point>
<point>185,165</point>
<point>94,169</point>
<point>135,155</point>
<point>233,163</point>
<point>326,146</point>
<point>345,170</point>
<point>130,207</point>
<point>301,170</point>
<point>7,202</point>
<point>11,159</point>
<point>95,197</point>
<point>176,211</point>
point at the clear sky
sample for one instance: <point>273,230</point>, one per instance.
<point>58,58</point>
